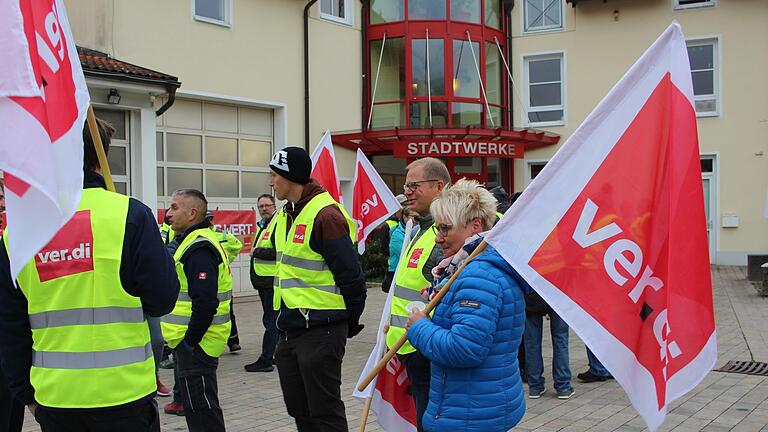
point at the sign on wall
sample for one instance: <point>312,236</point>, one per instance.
<point>240,223</point>
<point>454,148</point>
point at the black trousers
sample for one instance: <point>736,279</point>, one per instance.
<point>11,410</point>
<point>419,373</point>
<point>199,389</point>
<point>233,337</point>
<point>269,320</point>
<point>136,418</point>
<point>309,366</point>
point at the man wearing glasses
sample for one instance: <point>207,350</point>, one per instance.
<point>424,181</point>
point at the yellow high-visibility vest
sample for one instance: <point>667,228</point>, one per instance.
<point>175,324</point>
<point>90,341</point>
<point>409,282</point>
<point>303,279</point>
<point>263,239</point>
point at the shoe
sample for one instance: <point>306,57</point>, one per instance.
<point>234,347</point>
<point>535,393</point>
<point>588,377</point>
<point>259,366</point>
<point>167,364</point>
<point>174,408</point>
<point>565,394</point>
<point>163,390</point>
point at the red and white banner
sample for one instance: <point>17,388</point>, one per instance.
<point>41,149</point>
<point>613,236</point>
<point>392,402</point>
<point>240,223</point>
<point>372,201</point>
<point>324,167</point>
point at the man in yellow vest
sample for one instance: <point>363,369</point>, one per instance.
<point>231,246</point>
<point>263,271</point>
<point>76,345</point>
<point>424,181</point>
<point>319,292</point>
<point>198,327</point>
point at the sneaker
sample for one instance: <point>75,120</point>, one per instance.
<point>588,377</point>
<point>163,390</point>
<point>234,347</point>
<point>565,394</point>
<point>167,364</point>
<point>535,393</point>
<point>174,408</point>
<point>259,366</point>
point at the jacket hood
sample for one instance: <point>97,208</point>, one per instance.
<point>311,190</point>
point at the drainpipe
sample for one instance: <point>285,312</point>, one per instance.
<point>364,63</point>
<point>306,73</point>
<point>508,5</point>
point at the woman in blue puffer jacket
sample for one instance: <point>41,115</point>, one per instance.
<point>473,338</point>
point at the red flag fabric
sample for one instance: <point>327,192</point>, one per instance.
<point>612,233</point>
<point>324,167</point>
<point>391,401</point>
<point>372,201</point>
<point>41,150</point>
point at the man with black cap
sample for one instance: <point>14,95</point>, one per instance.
<point>319,292</point>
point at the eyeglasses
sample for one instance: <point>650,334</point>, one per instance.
<point>413,186</point>
<point>442,229</point>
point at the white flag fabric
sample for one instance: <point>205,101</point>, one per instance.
<point>765,211</point>
<point>324,168</point>
<point>394,406</point>
<point>16,75</point>
<point>372,201</point>
<point>612,233</point>
<point>41,148</point>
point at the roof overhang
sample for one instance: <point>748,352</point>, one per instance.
<point>445,142</point>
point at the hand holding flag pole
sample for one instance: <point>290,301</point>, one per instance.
<point>99,146</point>
<point>431,306</point>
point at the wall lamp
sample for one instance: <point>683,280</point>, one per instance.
<point>113,97</point>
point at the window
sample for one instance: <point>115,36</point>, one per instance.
<point>391,83</point>
<point>687,4</point>
<point>383,11</point>
<point>534,168</point>
<point>542,15</point>
<point>213,11</point>
<point>466,83</point>
<point>119,150</point>
<point>426,10</point>
<point>545,90</point>
<point>336,10</point>
<point>493,13</point>
<point>702,55</point>
<point>419,67</point>
<point>465,10</point>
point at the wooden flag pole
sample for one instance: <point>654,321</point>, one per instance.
<point>99,146</point>
<point>366,410</point>
<point>432,304</point>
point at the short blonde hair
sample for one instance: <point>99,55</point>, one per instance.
<point>463,202</point>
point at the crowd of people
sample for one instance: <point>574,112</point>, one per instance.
<point>102,322</point>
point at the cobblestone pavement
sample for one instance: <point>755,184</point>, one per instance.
<point>722,402</point>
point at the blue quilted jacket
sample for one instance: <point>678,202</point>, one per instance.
<point>472,342</point>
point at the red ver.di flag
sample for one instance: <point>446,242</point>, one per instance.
<point>41,149</point>
<point>372,201</point>
<point>612,233</point>
<point>324,168</point>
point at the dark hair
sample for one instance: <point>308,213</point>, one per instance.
<point>193,193</point>
<point>271,198</point>
<point>90,159</point>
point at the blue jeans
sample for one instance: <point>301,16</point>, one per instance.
<point>269,320</point>
<point>595,366</point>
<point>534,363</point>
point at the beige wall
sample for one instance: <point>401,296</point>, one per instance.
<point>600,48</point>
<point>260,57</point>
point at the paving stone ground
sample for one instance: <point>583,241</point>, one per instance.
<point>722,402</point>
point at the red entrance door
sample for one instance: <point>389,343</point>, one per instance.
<point>472,168</point>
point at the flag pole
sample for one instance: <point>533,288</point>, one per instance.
<point>99,146</point>
<point>432,304</point>
<point>366,410</point>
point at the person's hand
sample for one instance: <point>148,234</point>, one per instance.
<point>32,408</point>
<point>416,314</point>
<point>386,328</point>
<point>354,328</point>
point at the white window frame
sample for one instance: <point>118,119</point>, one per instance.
<point>349,13</point>
<point>227,14</point>
<point>543,29</point>
<point>526,58</point>
<point>716,73</point>
<point>677,6</point>
<point>528,164</point>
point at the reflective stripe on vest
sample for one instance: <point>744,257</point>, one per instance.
<point>303,280</point>
<point>90,340</point>
<point>263,239</point>
<point>409,282</point>
<point>174,325</point>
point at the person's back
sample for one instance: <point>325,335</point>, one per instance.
<point>479,371</point>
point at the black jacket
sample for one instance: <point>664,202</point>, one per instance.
<point>146,271</point>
